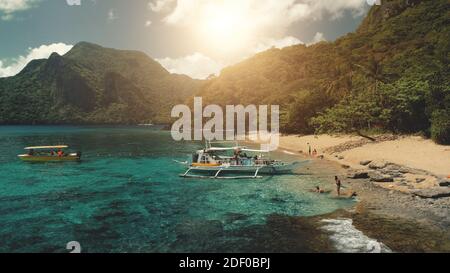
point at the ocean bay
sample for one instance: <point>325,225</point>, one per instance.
<point>126,196</point>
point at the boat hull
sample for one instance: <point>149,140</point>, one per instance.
<point>272,170</point>
<point>28,158</point>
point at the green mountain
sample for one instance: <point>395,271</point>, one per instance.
<point>93,85</point>
<point>392,74</point>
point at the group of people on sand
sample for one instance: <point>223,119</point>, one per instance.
<point>311,151</point>
<point>339,186</point>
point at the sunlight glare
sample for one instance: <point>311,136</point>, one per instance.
<point>223,26</point>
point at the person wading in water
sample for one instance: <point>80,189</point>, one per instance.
<point>338,185</point>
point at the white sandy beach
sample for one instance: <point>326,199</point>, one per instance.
<point>410,151</point>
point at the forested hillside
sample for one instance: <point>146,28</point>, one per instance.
<point>93,85</point>
<point>392,74</point>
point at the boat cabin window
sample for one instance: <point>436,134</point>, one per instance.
<point>205,159</point>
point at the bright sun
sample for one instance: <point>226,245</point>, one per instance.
<point>223,25</point>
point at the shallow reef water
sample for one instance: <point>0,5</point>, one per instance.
<point>126,196</point>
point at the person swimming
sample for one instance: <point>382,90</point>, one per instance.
<point>319,190</point>
<point>353,195</point>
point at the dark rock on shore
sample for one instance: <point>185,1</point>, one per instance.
<point>420,180</point>
<point>358,175</point>
<point>444,183</point>
<point>381,178</point>
<point>392,172</point>
<point>434,193</point>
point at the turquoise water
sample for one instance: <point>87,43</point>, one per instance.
<point>126,196</point>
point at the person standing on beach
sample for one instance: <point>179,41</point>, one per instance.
<point>310,149</point>
<point>338,185</point>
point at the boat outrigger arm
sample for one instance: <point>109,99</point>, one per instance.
<point>216,176</point>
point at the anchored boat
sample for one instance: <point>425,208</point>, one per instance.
<point>217,163</point>
<point>49,154</point>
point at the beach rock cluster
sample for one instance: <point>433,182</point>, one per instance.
<point>444,183</point>
<point>401,204</point>
<point>433,193</point>
<point>358,175</point>
<point>386,172</point>
<point>349,145</point>
<point>377,177</point>
<point>375,165</point>
<point>378,172</point>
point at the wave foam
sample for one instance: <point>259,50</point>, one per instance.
<point>348,239</point>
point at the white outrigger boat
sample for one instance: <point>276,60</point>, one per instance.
<point>212,162</point>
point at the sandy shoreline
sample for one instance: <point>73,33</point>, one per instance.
<point>407,163</point>
<point>389,212</point>
<point>416,195</point>
<point>412,151</point>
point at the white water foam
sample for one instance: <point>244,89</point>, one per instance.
<point>289,153</point>
<point>347,239</point>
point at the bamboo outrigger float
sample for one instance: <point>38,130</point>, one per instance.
<point>49,154</point>
<point>211,163</point>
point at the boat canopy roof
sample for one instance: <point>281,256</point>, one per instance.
<point>255,151</point>
<point>243,149</point>
<point>47,147</point>
<point>218,149</point>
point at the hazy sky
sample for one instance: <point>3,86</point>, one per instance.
<point>194,37</point>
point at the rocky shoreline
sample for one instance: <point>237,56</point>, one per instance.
<point>428,209</point>
<point>403,179</point>
<point>405,208</point>
<point>406,220</point>
<point>417,206</point>
<point>402,206</point>
<point>395,190</point>
<point>386,186</point>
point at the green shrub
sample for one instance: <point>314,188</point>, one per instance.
<point>440,127</point>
